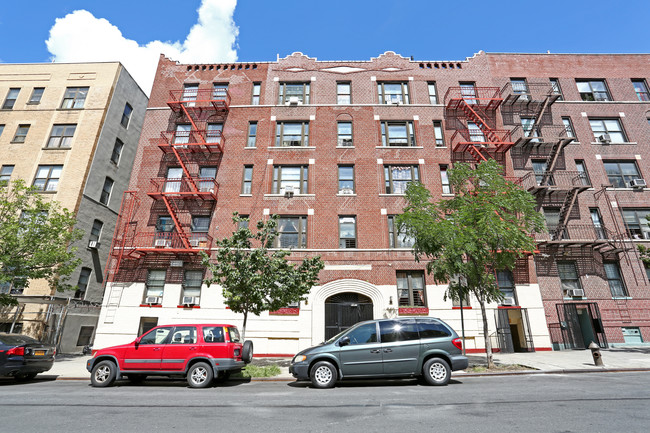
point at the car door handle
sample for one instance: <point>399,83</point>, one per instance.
<point>156,349</point>
<point>375,351</point>
<point>192,348</point>
<point>388,350</point>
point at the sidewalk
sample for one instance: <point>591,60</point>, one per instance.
<point>564,361</point>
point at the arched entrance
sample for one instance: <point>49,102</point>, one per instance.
<point>343,310</point>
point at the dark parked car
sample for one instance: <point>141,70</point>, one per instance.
<point>198,352</point>
<point>410,347</point>
<point>24,357</point>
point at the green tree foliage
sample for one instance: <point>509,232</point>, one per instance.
<point>255,279</point>
<point>35,238</point>
<point>645,251</point>
<point>485,227</point>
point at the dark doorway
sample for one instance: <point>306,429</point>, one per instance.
<point>581,324</point>
<point>513,330</point>
<point>344,310</point>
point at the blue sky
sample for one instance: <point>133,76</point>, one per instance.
<point>328,30</point>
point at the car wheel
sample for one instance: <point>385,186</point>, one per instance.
<point>103,374</point>
<point>323,375</point>
<point>436,371</point>
<point>24,377</point>
<point>199,375</point>
<point>247,351</point>
<point>136,378</point>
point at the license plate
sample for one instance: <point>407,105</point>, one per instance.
<point>40,352</point>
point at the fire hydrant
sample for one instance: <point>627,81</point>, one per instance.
<point>595,353</point>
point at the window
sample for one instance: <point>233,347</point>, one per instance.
<point>397,134</point>
<point>5,174</point>
<point>247,180</point>
<point>155,284</point>
<point>37,94</point>
<point>432,329</point>
<point>641,89</point>
<point>257,87</point>
<point>437,133</point>
<point>600,127</point>
<point>213,334</point>
<point>582,172</point>
<point>620,173</point>
<point>207,176</point>
<point>520,87</point>
<point>539,168</point>
<point>10,100</point>
<point>475,133</point>
<point>61,135</point>
<point>293,93</point>
<point>82,283</point>
<point>527,125</point>
<point>165,224</point>
<point>392,331</point>
<point>398,177</point>
<point>2,128</point>
<point>74,98</point>
<point>556,89</point>
<point>568,127</point>
<point>200,224</point>
<point>597,221</point>
<point>455,302</point>
<point>346,179</point>
<point>126,115</point>
<point>506,284</point>
<point>21,134</point>
<point>615,280</point>
<point>85,334</point>
<point>593,90</point>
<point>295,177</point>
<point>433,93</point>
<point>96,230</point>
<point>363,334</point>
<point>292,232</point>
<point>552,218</point>
<point>292,134</point>
<point>343,93</point>
<point>397,239</point>
<point>117,151</point>
<point>157,336</point>
<point>219,90</point>
<point>569,279</point>
<point>347,232</point>
<point>190,92</point>
<point>243,224</point>
<point>344,134</point>
<point>393,93</point>
<point>213,132</point>
<point>182,134</point>
<point>444,177</point>
<point>636,222</point>
<point>106,191</point>
<point>410,289</point>
<point>468,92</point>
<point>47,177</point>
<point>252,134</point>
<point>192,282</point>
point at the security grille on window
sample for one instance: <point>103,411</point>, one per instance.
<point>192,282</point>
<point>343,93</point>
<point>293,93</point>
<point>10,100</point>
<point>608,130</point>
<point>61,135</point>
<point>438,134</point>
<point>397,239</point>
<point>344,130</point>
<point>621,173</point>
<point>593,90</point>
<point>347,232</point>
<point>569,279</point>
<point>36,96</point>
<point>82,283</point>
<point>397,134</point>
<point>637,222</point>
<point>117,151</point>
<point>411,289</point>
<point>252,134</point>
<point>247,180</point>
<point>292,134</point>
<point>346,179</point>
<point>257,87</point>
<point>292,232</point>
<point>397,177</point>
<point>47,177</point>
<point>294,177</point>
<point>641,89</point>
<point>106,191</point>
<point>126,115</point>
<point>155,286</point>
<point>74,98</point>
<point>5,174</point>
<point>393,93</point>
<point>433,93</point>
<point>21,134</point>
<point>615,280</point>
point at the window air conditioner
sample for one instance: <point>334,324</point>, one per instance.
<point>161,243</point>
<point>152,300</point>
<point>638,183</point>
<point>93,245</point>
<point>287,191</point>
<point>293,100</point>
<point>508,300</point>
<point>194,242</point>
<point>346,191</point>
<point>605,139</point>
<point>577,293</point>
<point>206,189</point>
<point>175,263</point>
<point>190,300</point>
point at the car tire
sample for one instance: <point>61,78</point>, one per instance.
<point>103,374</point>
<point>24,377</point>
<point>200,375</point>
<point>247,351</point>
<point>136,378</point>
<point>436,372</point>
<point>323,375</point>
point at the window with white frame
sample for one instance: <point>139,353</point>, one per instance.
<point>347,231</point>
<point>444,178</point>
<point>82,283</point>
<point>5,174</point>
<point>637,222</point>
<point>506,285</point>
<point>433,92</point>
<point>105,196</point>
<point>257,88</point>
<point>397,177</point>
<point>126,115</point>
<point>568,127</point>
<point>96,230</point>
<point>556,89</point>
<point>192,282</point>
<point>344,134</point>
<point>247,180</point>
<point>438,134</point>
<point>155,286</point>
<point>343,93</point>
<point>399,134</point>
<point>295,177</point>
<point>292,134</point>
<point>213,132</point>
<point>593,90</point>
<point>612,127</point>
<point>117,151</point>
<point>520,87</point>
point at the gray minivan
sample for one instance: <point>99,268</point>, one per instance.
<point>404,347</point>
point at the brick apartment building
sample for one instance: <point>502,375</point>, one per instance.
<point>70,129</point>
<point>331,145</point>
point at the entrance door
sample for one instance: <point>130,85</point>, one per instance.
<point>581,324</point>
<point>344,310</point>
<point>513,330</point>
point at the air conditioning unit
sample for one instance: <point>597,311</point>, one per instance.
<point>153,300</point>
<point>287,191</point>
<point>194,242</point>
<point>638,183</point>
<point>206,189</point>
<point>180,146</point>
<point>190,300</point>
<point>346,191</point>
<point>161,243</point>
<point>175,263</point>
<point>93,245</point>
<point>579,293</point>
<point>508,300</point>
<point>605,139</point>
<point>293,100</point>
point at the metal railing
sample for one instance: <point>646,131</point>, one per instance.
<point>578,232</point>
<point>184,186</point>
<point>555,180</point>
<point>205,98</point>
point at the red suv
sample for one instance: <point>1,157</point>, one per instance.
<point>201,353</point>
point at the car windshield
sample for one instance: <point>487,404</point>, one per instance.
<point>16,339</point>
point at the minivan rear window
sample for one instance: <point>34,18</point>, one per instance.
<point>398,331</point>
<point>431,329</point>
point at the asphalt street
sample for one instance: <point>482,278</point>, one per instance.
<point>586,402</point>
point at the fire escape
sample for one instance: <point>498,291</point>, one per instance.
<point>185,159</point>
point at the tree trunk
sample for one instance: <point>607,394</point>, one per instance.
<point>486,335</point>
<point>243,329</point>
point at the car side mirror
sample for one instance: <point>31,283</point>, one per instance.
<point>344,341</point>
<point>137,341</point>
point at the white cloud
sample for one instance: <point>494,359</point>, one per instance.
<point>81,37</point>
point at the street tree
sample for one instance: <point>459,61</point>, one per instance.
<point>255,277</point>
<point>35,239</point>
<point>485,227</point>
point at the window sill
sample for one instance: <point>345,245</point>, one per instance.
<point>16,142</point>
<point>56,148</point>
<point>32,103</point>
<point>621,297</point>
<point>399,147</point>
<point>294,195</point>
<point>617,143</point>
<point>441,147</point>
<point>188,307</point>
<point>250,148</point>
<point>509,307</point>
<point>346,195</point>
<point>246,195</point>
<point>391,195</point>
<point>47,192</point>
<point>575,298</point>
<point>448,194</point>
<point>151,305</point>
<point>345,147</point>
<point>292,147</point>
<point>469,307</point>
<point>627,189</point>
